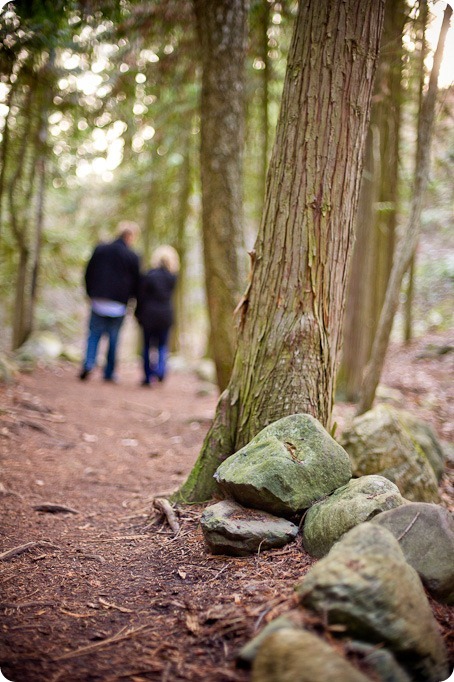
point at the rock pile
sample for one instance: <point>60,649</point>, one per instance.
<point>377,545</point>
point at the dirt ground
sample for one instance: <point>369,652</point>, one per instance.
<point>106,590</point>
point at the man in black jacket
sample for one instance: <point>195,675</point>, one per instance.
<point>111,279</point>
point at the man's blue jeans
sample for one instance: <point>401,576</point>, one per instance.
<point>153,340</point>
<point>99,326</point>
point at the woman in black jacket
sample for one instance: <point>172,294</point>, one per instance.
<point>154,310</point>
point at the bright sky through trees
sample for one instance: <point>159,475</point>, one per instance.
<point>103,152</point>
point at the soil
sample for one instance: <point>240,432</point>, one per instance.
<point>101,588</point>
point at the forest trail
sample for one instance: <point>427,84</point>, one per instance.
<point>106,590</point>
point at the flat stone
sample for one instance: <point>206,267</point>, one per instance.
<point>229,528</point>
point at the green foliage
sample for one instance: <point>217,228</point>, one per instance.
<point>120,83</point>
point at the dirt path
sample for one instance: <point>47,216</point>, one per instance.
<point>108,592</point>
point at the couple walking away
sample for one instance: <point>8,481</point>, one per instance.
<point>112,278</point>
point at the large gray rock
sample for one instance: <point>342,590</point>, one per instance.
<point>366,584</point>
<point>231,529</point>
<point>426,438</point>
<point>358,501</point>
<point>379,442</point>
<point>290,655</point>
<point>287,467</point>
<point>426,536</point>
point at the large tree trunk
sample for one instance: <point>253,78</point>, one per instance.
<point>410,239</point>
<point>291,316</point>
<point>377,217</point>
<point>222,32</point>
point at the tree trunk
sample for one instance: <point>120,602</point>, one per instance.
<point>265,125</point>
<point>423,50</point>
<point>20,192</point>
<point>291,315</point>
<point>43,134</point>
<point>408,311</point>
<point>358,322</point>
<point>377,215</point>
<point>150,222</point>
<point>222,34</point>
<point>180,326</point>
<point>21,299</point>
<point>411,235</point>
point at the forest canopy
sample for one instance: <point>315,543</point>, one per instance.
<point>100,121</point>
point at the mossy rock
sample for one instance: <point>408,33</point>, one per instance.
<point>287,467</point>
<point>359,500</point>
<point>380,442</point>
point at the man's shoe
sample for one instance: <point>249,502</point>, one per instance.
<point>146,382</point>
<point>111,380</point>
<point>84,374</point>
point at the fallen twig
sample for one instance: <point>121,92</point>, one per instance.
<point>165,507</point>
<point>26,605</point>
<point>47,416</point>
<point>15,551</point>
<point>122,634</point>
<point>52,508</point>
<point>120,537</point>
<point>77,615</point>
<point>410,525</point>
<point>37,427</point>
<point>110,605</point>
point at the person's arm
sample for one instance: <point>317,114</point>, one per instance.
<point>136,278</point>
<point>89,270</point>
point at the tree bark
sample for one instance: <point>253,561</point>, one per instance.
<point>378,209</point>
<point>410,239</point>
<point>222,34</point>
<point>423,50</point>
<point>179,329</point>
<point>358,322</point>
<point>291,315</point>
<point>265,124</point>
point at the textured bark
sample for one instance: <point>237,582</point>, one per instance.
<point>410,238</point>
<point>358,322</point>
<point>291,315</point>
<point>265,124</point>
<point>222,34</point>
<point>423,51</point>
<point>377,215</point>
